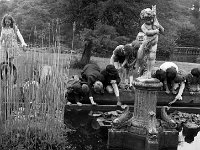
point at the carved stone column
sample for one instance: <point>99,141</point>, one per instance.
<point>144,117</point>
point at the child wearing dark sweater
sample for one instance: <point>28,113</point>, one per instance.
<point>92,76</point>
<point>111,81</point>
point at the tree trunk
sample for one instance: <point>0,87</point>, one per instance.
<point>85,59</point>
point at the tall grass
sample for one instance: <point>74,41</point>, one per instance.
<point>34,115</point>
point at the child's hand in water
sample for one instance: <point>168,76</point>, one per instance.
<point>92,100</point>
<point>167,91</point>
<point>113,81</point>
<point>192,93</point>
<point>179,97</point>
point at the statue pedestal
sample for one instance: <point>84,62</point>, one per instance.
<point>144,119</point>
<point>142,133</point>
<point>145,102</point>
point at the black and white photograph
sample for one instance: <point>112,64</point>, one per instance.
<point>100,75</point>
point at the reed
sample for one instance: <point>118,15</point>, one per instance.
<point>32,113</point>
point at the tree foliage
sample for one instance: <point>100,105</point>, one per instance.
<point>107,22</point>
<point>188,37</point>
<point>105,38</point>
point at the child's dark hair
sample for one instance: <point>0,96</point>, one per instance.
<point>171,73</point>
<point>179,79</point>
<point>12,24</point>
<point>195,72</point>
<point>3,23</point>
<point>128,49</point>
<point>160,75</point>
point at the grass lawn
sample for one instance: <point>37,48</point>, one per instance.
<point>28,60</point>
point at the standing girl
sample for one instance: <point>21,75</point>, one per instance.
<point>8,39</point>
<point>9,48</point>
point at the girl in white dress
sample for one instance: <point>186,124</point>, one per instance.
<point>8,39</point>
<point>9,48</point>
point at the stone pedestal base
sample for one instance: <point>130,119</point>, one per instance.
<point>124,139</point>
<point>145,111</point>
<point>142,134</point>
<point>168,138</point>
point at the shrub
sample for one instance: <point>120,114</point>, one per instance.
<point>34,136</point>
<point>122,40</point>
<point>188,37</point>
<point>165,48</point>
<point>103,38</point>
<point>77,64</point>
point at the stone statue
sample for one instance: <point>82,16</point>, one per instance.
<point>151,29</point>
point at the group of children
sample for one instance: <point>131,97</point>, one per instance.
<point>138,56</point>
<point>176,80</point>
<point>93,79</point>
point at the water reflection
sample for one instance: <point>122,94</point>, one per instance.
<point>189,140</point>
<point>86,134</point>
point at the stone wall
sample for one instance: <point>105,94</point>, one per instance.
<point>185,54</point>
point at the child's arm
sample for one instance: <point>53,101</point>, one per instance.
<point>89,82</point>
<point>180,92</point>
<point>112,59</point>
<point>125,61</point>
<point>166,86</point>
<point>1,37</point>
<point>189,78</point>
<point>21,38</point>
<point>132,63</point>
<point>149,32</point>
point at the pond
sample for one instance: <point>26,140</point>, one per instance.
<point>189,140</point>
<point>87,135</point>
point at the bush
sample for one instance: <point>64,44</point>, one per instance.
<point>103,38</point>
<point>165,48</point>
<point>188,37</point>
<point>77,64</point>
<point>122,40</point>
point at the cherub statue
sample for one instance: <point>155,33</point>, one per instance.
<point>151,29</point>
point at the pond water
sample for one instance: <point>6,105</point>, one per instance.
<point>85,137</point>
<point>189,140</point>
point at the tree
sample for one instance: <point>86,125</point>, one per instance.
<point>187,37</point>
<point>195,12</point>
<point>104,38</point>
<point>165,48</point>
<point>195,15</point>
<point>121,14</point>
<point>118,19</point>
<point>4,7</point>
<point>87,52</point>
<point>103,21</point>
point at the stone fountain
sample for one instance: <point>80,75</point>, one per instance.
<point>142,131</point>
